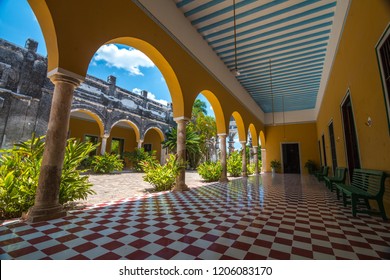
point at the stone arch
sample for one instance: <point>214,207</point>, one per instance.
<point>253,132</point>
<point>217,108</point>
<point>240,126</point>
<point>131,124</point>
<point>93,114</point>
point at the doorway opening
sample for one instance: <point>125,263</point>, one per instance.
<point>291,160</point>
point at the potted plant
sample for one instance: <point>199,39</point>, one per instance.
<point>275,165</point>
<point>311,166</point>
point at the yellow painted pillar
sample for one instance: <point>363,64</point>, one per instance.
<point>47,204</point>
<point>181,153</point>
<point>222,138</point>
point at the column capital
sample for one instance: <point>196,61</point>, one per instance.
<point>62,75</point>
<point>181,119</point>
<point>243,142</point>
<point>255,147</point>
<point>222,135</point>
<point>140,140</point>
<point>106,136</point>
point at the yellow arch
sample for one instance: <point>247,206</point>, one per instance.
<point>217,108</point>
<point>94,116</point>
<point>164,67</point>
<point>262,139</point>
<point>133,125</point>
<point>159,131</point>
<point>253,132</point>
<point>240,126</point>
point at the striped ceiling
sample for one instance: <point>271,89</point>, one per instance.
<point>281,45</point>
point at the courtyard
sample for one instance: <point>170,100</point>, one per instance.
<point>260,217</point>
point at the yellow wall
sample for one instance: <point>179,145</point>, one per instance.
<point>79,128</point>
<point>152,137</point>
<point>356,68</point>
<point>123,133</point>
<point>304,134</point>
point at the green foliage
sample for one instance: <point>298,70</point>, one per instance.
<point>210,171</point>
<point>73,185</point>
<point>234,164</point>
<point>139,155</point>
<point>250,169</point>
<point>199,107</point>
<point>106,163</point>
<point>161,177</point>
<point>192,140</point>
<point>276,165</point>
<point>19,174</point>
<point>311,166</point>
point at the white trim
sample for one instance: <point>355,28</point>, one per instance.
<point>65,72</point>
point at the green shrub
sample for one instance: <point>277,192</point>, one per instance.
<point>106,163</point>
<point>250,169</point>
<point>19,174</point>
<point>139,155</point>
<point>234,164</point>
<point>161,177</point>
<point>210,171</point>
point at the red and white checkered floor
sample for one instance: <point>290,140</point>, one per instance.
<point>265,217</point>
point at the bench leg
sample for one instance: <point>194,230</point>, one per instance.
<point>382,209</point>
<point>353,202</point>
<point>337,193</point>
<point>344,199</point>
<point>331,186</point>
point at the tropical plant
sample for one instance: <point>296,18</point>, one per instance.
<point>275,165</point>
<point>19,174</point>
<point>192,140</point>
<point>210,171</point>
<point>139,155</point>
<point>199,107</point>
<point>250,169</point>
<point>234,164</point>
<point>311,166</point>
<point>106,163</point>
<point>162,177</point>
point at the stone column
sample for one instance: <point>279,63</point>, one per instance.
<point>140,141</point>
<point>104,144</point>
<point>263,157</point>
<point>244,173</point>
<point>181,153</point>
<point>222,138</point>
<point>47,204</point>
<point>256,159</point>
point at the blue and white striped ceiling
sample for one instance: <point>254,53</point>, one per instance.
<point>287,38</point>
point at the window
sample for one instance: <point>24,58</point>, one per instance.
<point>117,146</point>
<point>147,147</point>
<point>383,52</point>
<point>93,139</point>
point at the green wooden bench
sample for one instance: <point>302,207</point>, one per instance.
<point>339,177</point>
<point>322,173</point>
<point>367,185</point>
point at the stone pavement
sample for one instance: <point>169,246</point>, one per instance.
<point>124,185</point>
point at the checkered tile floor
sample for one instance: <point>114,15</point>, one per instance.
<point>265,217</point>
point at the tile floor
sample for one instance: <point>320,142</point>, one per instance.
<point>264,217</point>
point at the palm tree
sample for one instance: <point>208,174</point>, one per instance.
<point>199,107</point>
<point>192,141</point>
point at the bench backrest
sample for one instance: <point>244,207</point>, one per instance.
<point>325,171</point>
<point>340,173</point>
<point>370,181</point>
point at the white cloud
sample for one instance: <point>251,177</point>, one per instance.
<point>151,96</point>
<point>127,59</point>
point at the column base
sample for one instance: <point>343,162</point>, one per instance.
<point>180,188</point>
<point>39,214</point>
<point>223,180</point>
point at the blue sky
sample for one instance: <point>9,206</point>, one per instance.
<point>134,70</point>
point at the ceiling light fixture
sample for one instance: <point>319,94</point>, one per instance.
<point>235,71</point>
